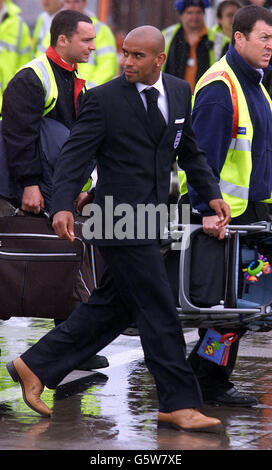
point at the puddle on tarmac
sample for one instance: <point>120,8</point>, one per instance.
<point>116,408</point>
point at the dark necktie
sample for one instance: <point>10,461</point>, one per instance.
<point>157,120</point>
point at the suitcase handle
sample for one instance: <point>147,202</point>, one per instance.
<point>21,212</point>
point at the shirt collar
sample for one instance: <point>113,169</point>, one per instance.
<point>158,85</point>
<point>261,72</point>
<point>54,56</point>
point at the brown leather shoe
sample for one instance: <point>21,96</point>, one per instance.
<point>189,419</point>
<point>31,385</point>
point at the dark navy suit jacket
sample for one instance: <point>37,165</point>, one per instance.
<point>113,127</point>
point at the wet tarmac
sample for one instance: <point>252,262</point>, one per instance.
<point>115,409</point>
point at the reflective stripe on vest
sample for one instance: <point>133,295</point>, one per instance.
<point>218,45</point>
<point>46,81</point>
<point>222,73</point>
<point>42,68</point>
<point>242,145</point>
<point>234,189</point>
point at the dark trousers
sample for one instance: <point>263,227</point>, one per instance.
<point>134,287</point>
<point>214,379</point>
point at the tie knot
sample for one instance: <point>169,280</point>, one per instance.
<point>151,94</point>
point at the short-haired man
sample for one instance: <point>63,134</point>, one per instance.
<point>49,86</point>
<point>103,62</point>
<point>237,138</point>
<point>45,86</point>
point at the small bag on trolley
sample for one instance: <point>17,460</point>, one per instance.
<point>215,346</point>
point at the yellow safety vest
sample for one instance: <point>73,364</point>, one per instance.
<point>235,174</point>
<point>43,70</point>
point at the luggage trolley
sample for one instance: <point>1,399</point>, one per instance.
<point>247,279</point>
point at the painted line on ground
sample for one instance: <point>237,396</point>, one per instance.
<point>116,360</point>
<point>10,394</point>
<point>125,357</point>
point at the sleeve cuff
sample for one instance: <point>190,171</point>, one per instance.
<point>30,181</point>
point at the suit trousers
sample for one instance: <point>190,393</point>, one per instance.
<point>134,287</point>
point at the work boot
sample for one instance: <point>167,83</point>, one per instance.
<point>231,397</point>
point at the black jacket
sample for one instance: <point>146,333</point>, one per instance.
<point>178,55</point>
<point>23,106</point>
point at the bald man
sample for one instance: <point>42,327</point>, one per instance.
<point>134,156</point>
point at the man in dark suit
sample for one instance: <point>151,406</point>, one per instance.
<point>134,165</point>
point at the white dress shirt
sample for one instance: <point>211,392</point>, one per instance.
<point>162,98</point>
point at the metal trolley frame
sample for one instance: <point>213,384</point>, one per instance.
<point>251,315</point>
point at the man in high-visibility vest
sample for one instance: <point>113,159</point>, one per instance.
<point>190,46</point>
<point>103,63</point>
<point>15,42</point>
<point>43,23</point>
<point>48,86</point>
<point>232,119</point>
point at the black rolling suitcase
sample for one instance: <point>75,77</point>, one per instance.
<point>42,275</point>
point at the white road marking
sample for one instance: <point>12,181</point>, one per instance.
<point>10,394</point>
<point>122,358</point>
<point>116,360</point>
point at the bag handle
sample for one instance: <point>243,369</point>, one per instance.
<point>228,338</point>
<point>21,212</point>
